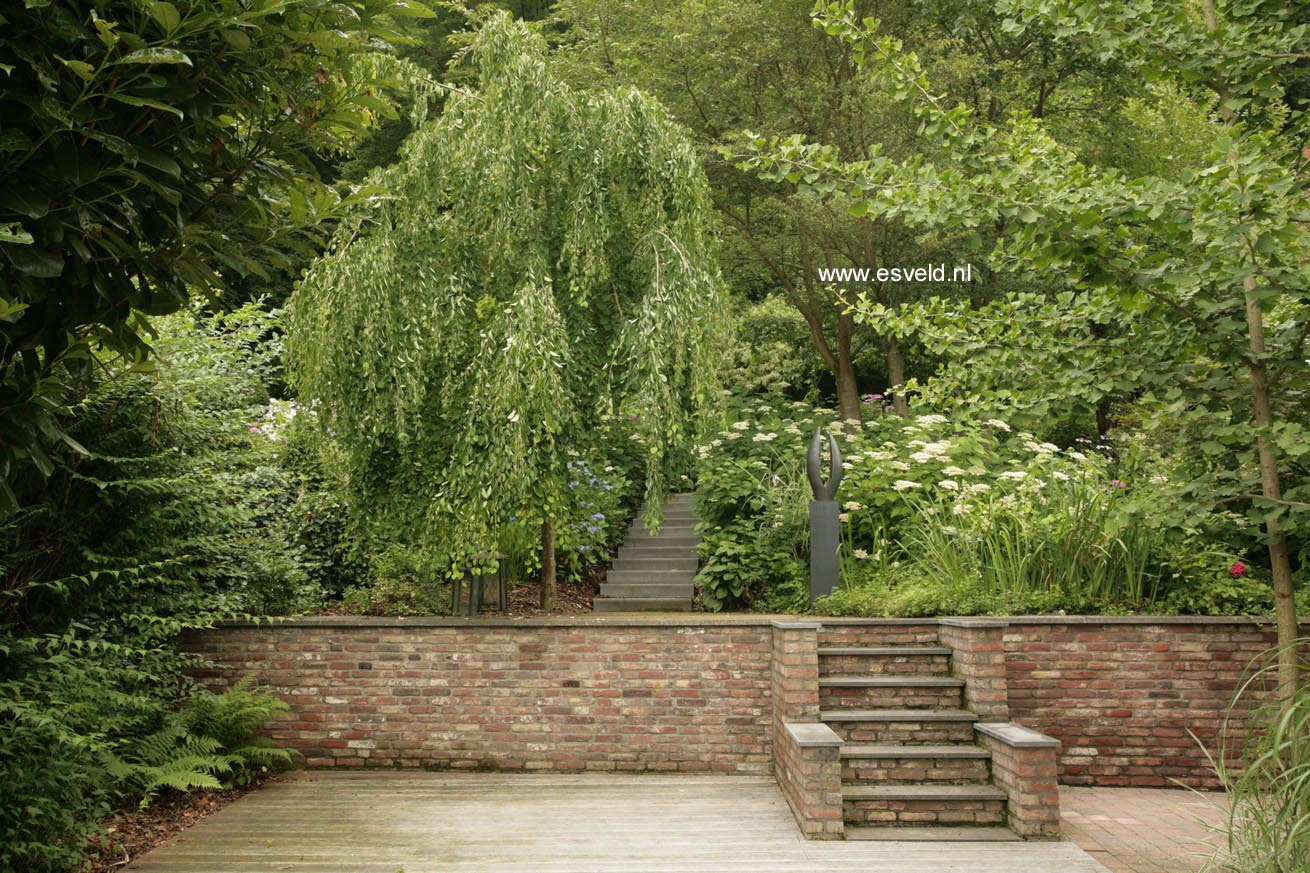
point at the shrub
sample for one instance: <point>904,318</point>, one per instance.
<point>943,517</point>
<point>175,516</point>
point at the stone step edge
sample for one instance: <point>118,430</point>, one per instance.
<point>898,715</point>
<point>972,791</point>
<point>943,752</point>
<point>890,682</point>
<point>932,833</point>
<point>885,651</point>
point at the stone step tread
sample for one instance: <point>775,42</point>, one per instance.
<point>641,604</point>
<point>932,834</point>
<point>881,651</point>
<point>947,752</point>
<point>909,715</point>
<point>647,591</point>
<point>890,682</point>
<point>688,564</point>
<point>651,577</point>
<point>659,546</point>
<point>973,791</point>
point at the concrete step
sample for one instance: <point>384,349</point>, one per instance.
<point>687,564</point>
<point>885,692</point>
<point>684,543</point>
<point>654,589</point>
<point>895,660</point>
<point>910,727</point>
<point>923,805</point>
<point>655,551</point>
<point>642,535</point>
<point>649,577</point>
<point>932,834</point>
<point>641,604</point>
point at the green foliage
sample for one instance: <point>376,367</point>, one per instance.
<point>152,152</point>
<point>210,743</point>
<point>949,517</point>
<point>1268,783</point>
<point>177,516</point>
<point>541,265</point>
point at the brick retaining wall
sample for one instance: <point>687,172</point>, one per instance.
<point>693,693</point>
<point>686,697</point>
<point>1123,694</point>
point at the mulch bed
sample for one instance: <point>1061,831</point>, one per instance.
<point>129,833</point>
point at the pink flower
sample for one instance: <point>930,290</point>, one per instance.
<point>1238,569</point>
<point>1119,483</point>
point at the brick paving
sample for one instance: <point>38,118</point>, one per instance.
<point>1143,830</point>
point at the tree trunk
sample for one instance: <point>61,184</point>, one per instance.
<point>848,394</point>
<point>549,588</point>
<point>1271,488</point>
<point>896,378</point>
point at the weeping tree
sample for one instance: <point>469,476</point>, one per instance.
<point>541,264</point>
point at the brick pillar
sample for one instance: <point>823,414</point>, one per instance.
<point>795,672</point>
<point>1025,765</point>
<point>978,657</point>
<point>806,753</point>
<point>809,773</point>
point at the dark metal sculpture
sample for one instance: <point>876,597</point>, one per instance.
<point>825,525</point>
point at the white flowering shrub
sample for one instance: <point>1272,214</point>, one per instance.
<point>952,517</point>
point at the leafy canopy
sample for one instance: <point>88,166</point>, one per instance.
<point>542,263</point>
<point>150,152</point>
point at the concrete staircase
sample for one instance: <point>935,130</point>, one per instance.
<point>910,768</point>
<point>654,572</point>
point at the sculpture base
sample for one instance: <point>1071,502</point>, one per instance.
<point>825,538</point>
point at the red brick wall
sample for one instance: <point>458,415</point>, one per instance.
<point>1122,695</point>
<point>569,697</point>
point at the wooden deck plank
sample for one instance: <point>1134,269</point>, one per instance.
<point>381,822</point>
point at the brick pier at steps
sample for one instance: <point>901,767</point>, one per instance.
<point>1098,701</point>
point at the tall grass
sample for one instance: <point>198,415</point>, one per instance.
<point>1069,541</point>
<point>1268,826</point>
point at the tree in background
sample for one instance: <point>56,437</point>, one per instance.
<point>726,66</point>
<point>1215,259</point>
<point>542,262</point>
<point>152,152</point>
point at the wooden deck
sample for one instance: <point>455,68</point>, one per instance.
<point>385,822</point>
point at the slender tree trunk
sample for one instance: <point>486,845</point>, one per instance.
<point>1271,488</point>
<point>549,587</point>
<point>1262,408</point>
<point>848,393</point>
<point>896,377</point>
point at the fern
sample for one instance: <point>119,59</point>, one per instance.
<point>210,743</point>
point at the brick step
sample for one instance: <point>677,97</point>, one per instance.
<point>903,765</point>
<point>843,660</point>
<point>641,604</point>
<point>892,632</point>
<point>690,563</point>
<point>923,805</point>
<point>649,589</point>
<point>884,692</point>
<point>932,834</point>
<point>911,727</point>
<point>647,577</point>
